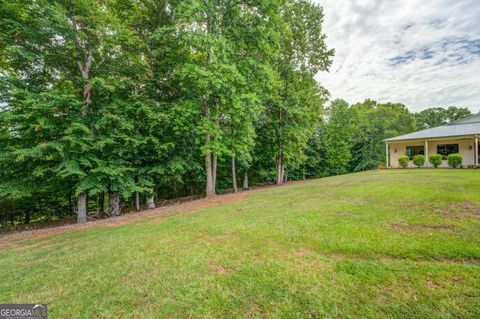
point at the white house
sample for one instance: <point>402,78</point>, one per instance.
<point>456,137</point>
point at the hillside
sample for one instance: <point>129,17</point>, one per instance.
<point>383,244</point>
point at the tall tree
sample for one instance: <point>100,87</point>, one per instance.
<point>218,41</point>
<point>83,64</point>
<point>295,110</point>
<point>339,132</point>
<point>151,98</point>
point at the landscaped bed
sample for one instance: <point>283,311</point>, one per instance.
<point>392,243</point>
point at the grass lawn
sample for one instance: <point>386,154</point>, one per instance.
<point>384,244</point>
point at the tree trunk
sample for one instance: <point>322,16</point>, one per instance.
<point>150,200</point>
<point>279,170</point>
<point>234,175</point>
<point>245,182</point>
<point>137,201</point>
<point>185,181</point>
<point>84,68</point>
<point>85,64</point>
<point>210,184</point>
<point>82,208</point>
<point>214,172</point>
<point>101,204</point>
<point>70,203</point>
<point>27,216</point>
<point>210,187</point>
<point>114,204</point>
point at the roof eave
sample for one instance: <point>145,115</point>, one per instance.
<point>431,138</point>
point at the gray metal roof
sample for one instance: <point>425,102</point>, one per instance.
<point>468,119</point>
<point>449,130</point>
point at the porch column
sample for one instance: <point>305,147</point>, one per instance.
<point>426,154</point>
<point>476,150</point>
<point>387,155</point>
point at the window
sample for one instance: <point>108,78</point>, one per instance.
<point>447,149</point>
<point>411,151</point>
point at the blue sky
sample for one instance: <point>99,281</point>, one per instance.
<point>423,53</point>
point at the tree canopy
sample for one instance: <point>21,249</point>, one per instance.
<point>437,116</point>
<point>106,104</point>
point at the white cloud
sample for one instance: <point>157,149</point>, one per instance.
<point>422,53</point>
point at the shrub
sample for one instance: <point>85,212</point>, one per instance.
<point>435,160</point>
<point>419,160</point>
<point>403,161</point>
<point>455,160</point>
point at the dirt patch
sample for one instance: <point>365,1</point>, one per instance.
<point>387,259</point>
<point>174,207</point>
<point>302,252</point>
<point>39,225</point>
<point>421,226</point>
<point>338,256</point>
<point>218,269</point>
<point>254,311</point>
<point>459,210</point>
<point>432,284</point>
<point>167,211</point>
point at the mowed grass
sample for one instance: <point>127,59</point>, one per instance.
<point>383,244</point>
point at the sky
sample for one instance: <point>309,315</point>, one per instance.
<point>423,53</point>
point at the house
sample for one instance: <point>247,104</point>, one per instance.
<point>460,136</point>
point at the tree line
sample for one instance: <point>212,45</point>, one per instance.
<point>115,103</point>
<point>351,137</point>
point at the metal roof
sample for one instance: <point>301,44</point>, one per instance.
<point>468,119</point>
<point>467,126</point>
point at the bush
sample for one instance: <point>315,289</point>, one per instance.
<point>455,160</point>
<point>419,160</point>
<point>435,160</point>
<point>403,161</point>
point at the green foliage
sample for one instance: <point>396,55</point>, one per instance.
<point>338,134</point>
<point>125,96</point>
<point>439,116</point>
<point>419,160</point>
<point>59,145</point>
<point>294,102</point>
<point>129,96</point>
<point>376,122</point>
<point>403,161</point>
<point>455,160</point>
<point>435,160</point>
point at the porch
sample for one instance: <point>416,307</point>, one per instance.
<point>465,145</point>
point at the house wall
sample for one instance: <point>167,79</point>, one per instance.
<point>398,149</point>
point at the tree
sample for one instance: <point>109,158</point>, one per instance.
<point>339,132</point>
<point>437,116</point>
<point>296,107</point>
<point>77,69</point>
<point>155,99</point>
<point>376,122</point>
<point>219,43</point>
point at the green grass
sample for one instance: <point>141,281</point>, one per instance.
<point>386,244</point>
